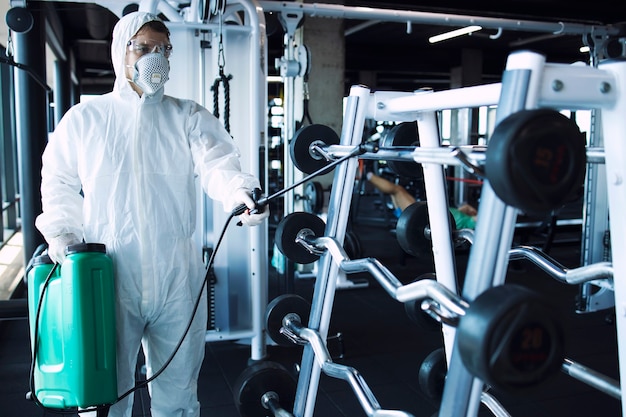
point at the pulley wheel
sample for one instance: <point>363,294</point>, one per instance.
<point>276,311</point>
<point>510,338</point>
<point>217,7</point>
<point>19,19</point>
<point>259,379</point>
<point>413,229</point>
<point>404,135</point>
<point>432,375</point>
<point>536,160</point>
<point>301,147</point>
<point>288,230</point>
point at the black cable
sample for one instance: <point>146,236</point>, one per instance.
<point>195,309</point>
<point>305,102</point>
<point>260,202</point>
<point>30,72</point>
<point>31,379</point>
<point>306,114</point>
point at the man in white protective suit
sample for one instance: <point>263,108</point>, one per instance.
<point>119,170</point>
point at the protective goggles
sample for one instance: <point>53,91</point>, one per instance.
<point>142,47</point>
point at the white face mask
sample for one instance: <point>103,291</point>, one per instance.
<point>150,72</point>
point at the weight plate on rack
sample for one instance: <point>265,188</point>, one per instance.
<point>404,135</point>
<point>259,379</point>
<point>536,160</point>
<point>288,230</point>
<point>301,147</point>
<point>413,229</point>
<point>276,311</point>
<point>510,338</point>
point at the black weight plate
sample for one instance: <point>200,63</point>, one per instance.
<point>276,311</point>
<point>404,134</point>
<point>413,229</point>
<point>418,316</point>
<point>536,160</point>
<point>432,375</point>
<point>313,197</point>
<point>289,228</point>
<point>300,147</point>
<point>510,338</point>
<point>352,245</point>
<point>258,379</point>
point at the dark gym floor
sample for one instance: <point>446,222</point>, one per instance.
<point>379,340</point>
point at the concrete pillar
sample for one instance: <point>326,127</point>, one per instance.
<point>325,40</point>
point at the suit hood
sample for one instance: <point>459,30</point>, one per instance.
<point>125,29</point>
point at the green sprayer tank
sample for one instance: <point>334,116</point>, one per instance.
<point>75,361</point>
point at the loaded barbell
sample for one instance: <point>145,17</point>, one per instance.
<point>508,336</point>
<point>278,309</point>
<point>535,159</point>
<point>292,326</point>
<point>293,231</point>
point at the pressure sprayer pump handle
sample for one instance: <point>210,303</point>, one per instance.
<point>259,203</point>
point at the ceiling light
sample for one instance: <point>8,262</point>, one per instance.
<point>584,49</point>
<point>453,34</point>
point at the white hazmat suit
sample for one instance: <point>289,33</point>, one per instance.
<point>135,159</point>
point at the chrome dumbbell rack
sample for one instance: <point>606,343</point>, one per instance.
<point>528,82</point>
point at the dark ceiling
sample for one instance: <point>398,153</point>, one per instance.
<point>399,59</point>
<point>407,60</point>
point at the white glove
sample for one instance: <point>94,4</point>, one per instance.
<point>256,218</point>
<point>244,196</point>
<point>57,245</point>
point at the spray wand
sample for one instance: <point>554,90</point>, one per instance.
<point>260,202</point>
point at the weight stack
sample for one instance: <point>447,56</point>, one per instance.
<point>75,360</point>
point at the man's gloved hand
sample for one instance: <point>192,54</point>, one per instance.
<point>256,218</point>
<point>244,196</point>
<point>57,245</point>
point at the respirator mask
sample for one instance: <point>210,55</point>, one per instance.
<point>150,72</point>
